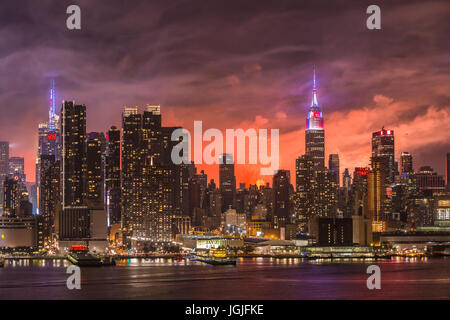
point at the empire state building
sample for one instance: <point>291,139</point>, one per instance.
<point>315,133</point>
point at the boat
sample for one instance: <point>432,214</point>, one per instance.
<point>79,255</point>
<point>214,257</point>
<point>108,261</point>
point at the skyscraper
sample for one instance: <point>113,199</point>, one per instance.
<point>362,221</point>
<point>74,222</point>
<point>49,198</point>
<point>45,162</point>
<point>152,133</point>
<point>377,210</point>
<point>49,137</point>
<point>383,146</point>
<point>333,164</point>
<point>315,133</point>
<point>17,171</point>
<point>49,134</point>
<point>152,186</point>
<point>326,194</point>
<point>305,188</point>
<point>83,216</point>
<point>10,197</point>
<point>281,197</point>
<point>227,180</point>
<point>73,124</point>
<point>346,180</point>
<point>131,180</point>
<point>95,157</point>
<point>160,192</point>
<point>49,143</point>
<point>112,183</point>
<point>4,168</point>
<point>181,172</point>
<point>407,163</point>
<point>17,168</point>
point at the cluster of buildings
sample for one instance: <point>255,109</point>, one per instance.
<point>120,190</point>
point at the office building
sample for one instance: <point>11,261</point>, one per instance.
<point>333,165</point>
<point>131,179</point>
<point>383,147</point>
<point>73,127</point>
<point>332,231</point>
<point>11,197</point>
<point>281,198</point>
<point>429,183</point>
<point>112,176</point>
<point>50,201</point>
<point>4,168</point>
<point>377,193</point>
<point>227,181</point>
<point>407,163</point>
<point>17,168</point>
<point>95,172</point>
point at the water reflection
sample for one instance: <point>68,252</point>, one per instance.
<point>251,278</point>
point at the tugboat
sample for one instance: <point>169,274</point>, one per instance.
<point>79,255</point>
<point>214,257</point>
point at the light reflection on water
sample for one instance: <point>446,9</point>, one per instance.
<point>251,278</point>
<point>31,263</point>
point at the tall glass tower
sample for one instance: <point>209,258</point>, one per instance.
<point>49,138</point>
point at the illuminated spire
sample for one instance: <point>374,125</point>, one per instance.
<point>314,77</point>
<point>314,119</point>
<point>52,108</point>
<point>314,102</point>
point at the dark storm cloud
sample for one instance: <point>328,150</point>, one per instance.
<point>237,60</point>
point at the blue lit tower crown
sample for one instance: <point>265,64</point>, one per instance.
<point>52,123</point>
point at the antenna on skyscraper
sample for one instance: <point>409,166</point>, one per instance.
<point>314,77</point>
<point>314,102</point>
<point>52,107</point>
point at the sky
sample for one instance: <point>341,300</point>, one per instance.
<point>235,64</point>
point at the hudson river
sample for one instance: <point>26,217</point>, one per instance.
<point>257,278</point>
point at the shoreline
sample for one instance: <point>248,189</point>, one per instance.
<point>178,256</point>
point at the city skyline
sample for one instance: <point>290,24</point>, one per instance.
<point>226,149</point>
<point>208,168</point>
<point>196,73</point>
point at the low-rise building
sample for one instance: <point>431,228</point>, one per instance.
<point>208,241</point>
<point>18,232</point>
